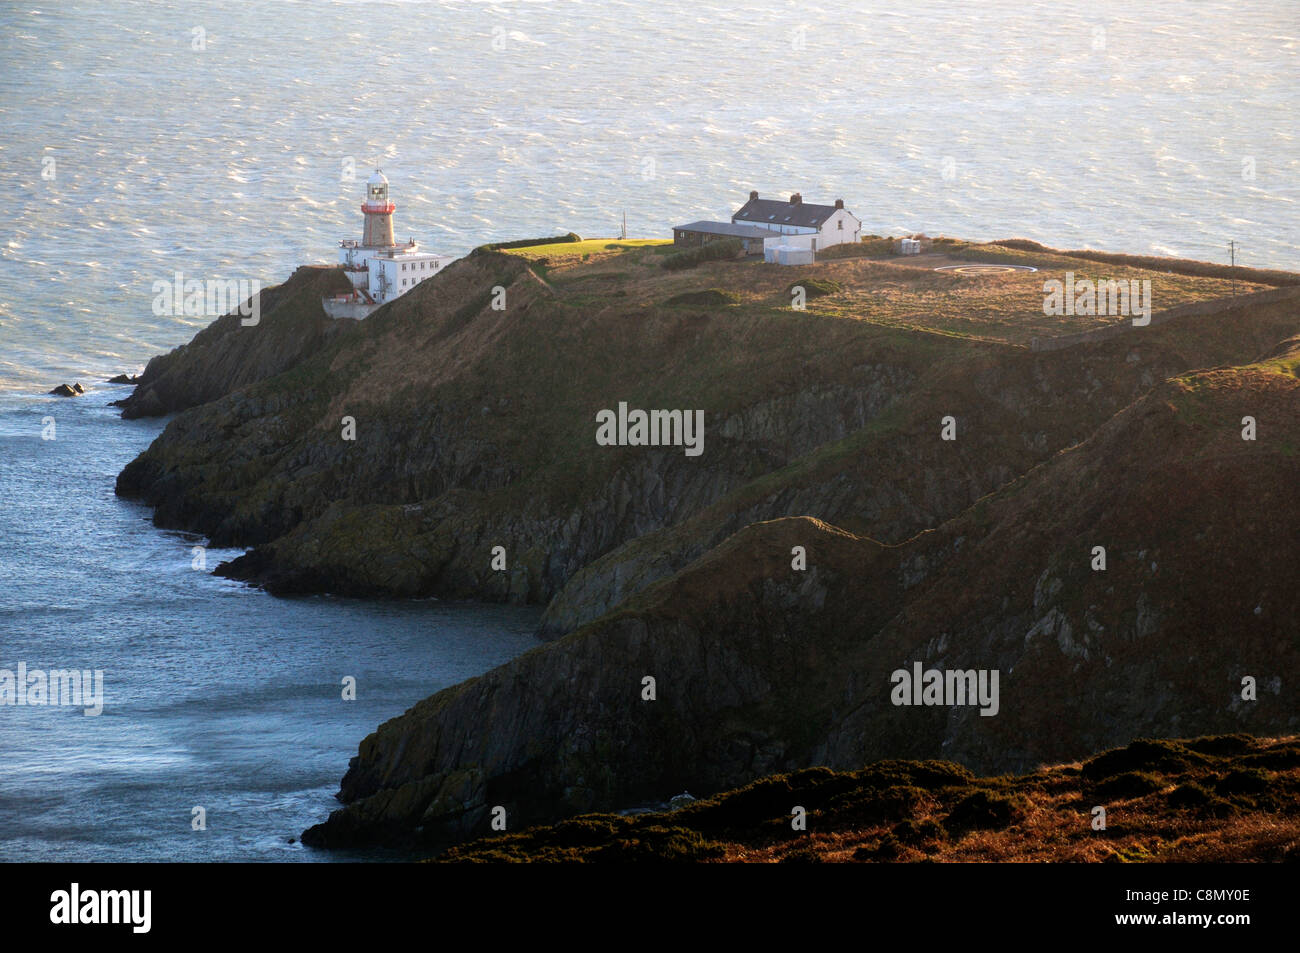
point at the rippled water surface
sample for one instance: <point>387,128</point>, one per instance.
<point>1104,123</point>
<point>215,695</point>
<point>229,140</point>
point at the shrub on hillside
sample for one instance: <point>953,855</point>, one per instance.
<point>815,287</point>
<point>1251,781</point>
<point>1192,796</point>
<point>713,251</point>
<point>913,832</point>
<point>1129,784</point>
<point>984,811</point>
<point>1161,757</point>
<point>663,844</point>
<point>526,242</point>
<point>712,298</point>
<point>1221,744</point>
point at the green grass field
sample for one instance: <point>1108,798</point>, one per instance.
<point>584,249</point>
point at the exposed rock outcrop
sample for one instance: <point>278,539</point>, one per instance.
<point>229,354</point>
<point>760,667</point>
<point>474,429</point>
<point>392,457</point>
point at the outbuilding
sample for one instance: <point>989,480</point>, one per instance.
<point>701,233</point>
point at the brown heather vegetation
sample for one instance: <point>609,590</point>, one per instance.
<point>878,287</point>
<point>1227,798</point>
<point>475,428</point>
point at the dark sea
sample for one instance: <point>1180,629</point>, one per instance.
<point>215,695</point>
<point>229,140</point>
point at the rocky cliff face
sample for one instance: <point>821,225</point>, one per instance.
<point>229,355</point>
<point>473,431</point>
<point>891,480</point>
<point>391,458</point>
<point>761,667</point>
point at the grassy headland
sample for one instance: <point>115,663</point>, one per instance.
<point>475,428</point>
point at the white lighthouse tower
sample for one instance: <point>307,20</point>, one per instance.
<point>379,267</point>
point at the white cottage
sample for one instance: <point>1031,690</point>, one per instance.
<point>826,224</point>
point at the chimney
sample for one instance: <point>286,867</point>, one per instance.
<point>753,195</point>
<point>839,203</point>
<point>796,199</point>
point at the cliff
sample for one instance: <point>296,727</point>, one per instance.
<point>228,355</point>
<point>762,668</point>
<point>474,426</point>
<point>473,400</point>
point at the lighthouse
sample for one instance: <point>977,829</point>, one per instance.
<point>378,210</point>
<point>379,267</point>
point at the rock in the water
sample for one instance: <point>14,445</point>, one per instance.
<point>68,390</point>
<point>146,405</point>
<point>124,379</point>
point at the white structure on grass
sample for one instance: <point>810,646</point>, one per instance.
<point>788,233</point>
<point>379,268</point>
<point>823,225</point>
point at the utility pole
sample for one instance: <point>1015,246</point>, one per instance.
<point>1232,251</point>
<point>624,236</point>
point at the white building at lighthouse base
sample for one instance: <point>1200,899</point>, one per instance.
<point>380,273</point>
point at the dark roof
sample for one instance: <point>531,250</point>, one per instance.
<point>726,228</point>
<point>773,212</point>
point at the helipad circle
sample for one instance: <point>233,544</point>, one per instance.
<point>985,269</point>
